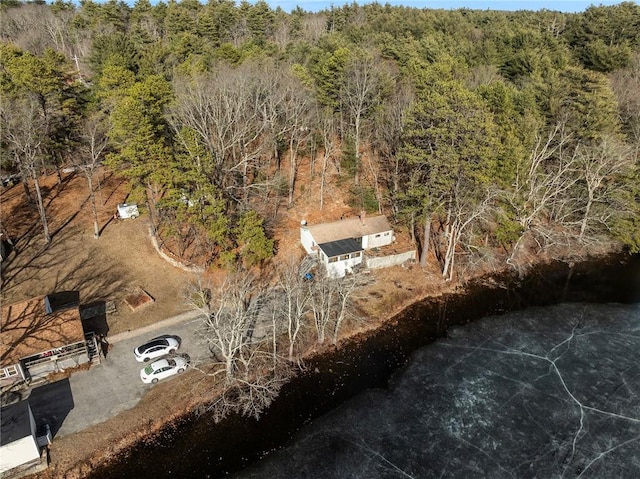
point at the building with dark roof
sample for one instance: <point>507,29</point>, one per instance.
<point>19,445</point>
<point>340,245</point>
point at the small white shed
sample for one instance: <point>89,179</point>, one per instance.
<point>18,440</point>
<point>126,210</point>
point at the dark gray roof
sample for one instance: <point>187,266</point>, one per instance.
<point>343,246</point>
<point>61,300</point>
<point>15,422</point>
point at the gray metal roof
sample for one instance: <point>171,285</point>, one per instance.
<point>15,422</point>
<point>343,246</point>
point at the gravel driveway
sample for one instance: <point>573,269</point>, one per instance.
<point>106,389</point>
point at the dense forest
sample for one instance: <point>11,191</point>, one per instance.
<point>477,131</point>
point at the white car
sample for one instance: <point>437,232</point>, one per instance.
<point>156,347</point>
<point>163,368</point>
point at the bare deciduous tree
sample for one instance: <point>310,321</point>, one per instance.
<point>288,113</point>
<point>240,328</point>
<point>330,303</point>
<point>388,132</point>
<point>94,140</point>
<point>599,165</point>
<point>323,296</point>
<point>344,309</point>
<point>244,323</point>
<point>228,110</point>
<point>462,212</point>
<point>292,302</point>
<point>329,148</point>
<point>541,182</point>
<point>24,130</point>
<point>364,78</point>
<point>231,312</point>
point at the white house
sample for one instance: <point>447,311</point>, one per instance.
<point>340,245</point>
<point>19,445</point>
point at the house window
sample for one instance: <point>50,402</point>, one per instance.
<point>355,255</point>
<point>387,233</point>
<point>378,235</point>
<point>344,257</point>
<point>8,372</point>
<point>333,259</point>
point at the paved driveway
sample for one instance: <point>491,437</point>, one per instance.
<point>93,396</point>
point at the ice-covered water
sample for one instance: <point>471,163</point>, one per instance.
<point>544,392</point>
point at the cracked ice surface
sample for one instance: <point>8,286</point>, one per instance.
<point>542,393</point>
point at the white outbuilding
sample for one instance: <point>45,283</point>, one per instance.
<point>126,210</point>
<point>20,447</point>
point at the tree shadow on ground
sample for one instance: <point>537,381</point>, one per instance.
<point>56,189</point>
<point>66,264</point>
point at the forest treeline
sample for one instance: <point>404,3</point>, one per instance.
<point>478,131</point>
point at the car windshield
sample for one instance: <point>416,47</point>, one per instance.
<point>155,343</point>
<point>148,369</point>
<point>172,363</point>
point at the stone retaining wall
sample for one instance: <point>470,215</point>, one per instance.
<point>391,260</point>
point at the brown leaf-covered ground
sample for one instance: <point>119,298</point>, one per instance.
<point>122,261</point>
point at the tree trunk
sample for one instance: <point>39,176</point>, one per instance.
<point>339,319</point>
<point>94,210</point>
<point>152,220</point>
<point>293,336</point>
<point>356,179</point>
<point>58,172</point>
<point>585,218</point>
<point>376,183</point>
<point>41,210</point>
<point>325,160</point>
<point>27,192</point>
<point>413,228</point>
<point>293,153</point>
<point>425,242</point>
<point>452,235</point>
<point>312,164</point>
<point>25,174</point>
<point>229,367</point>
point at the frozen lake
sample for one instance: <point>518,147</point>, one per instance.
<point>545,392</point>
